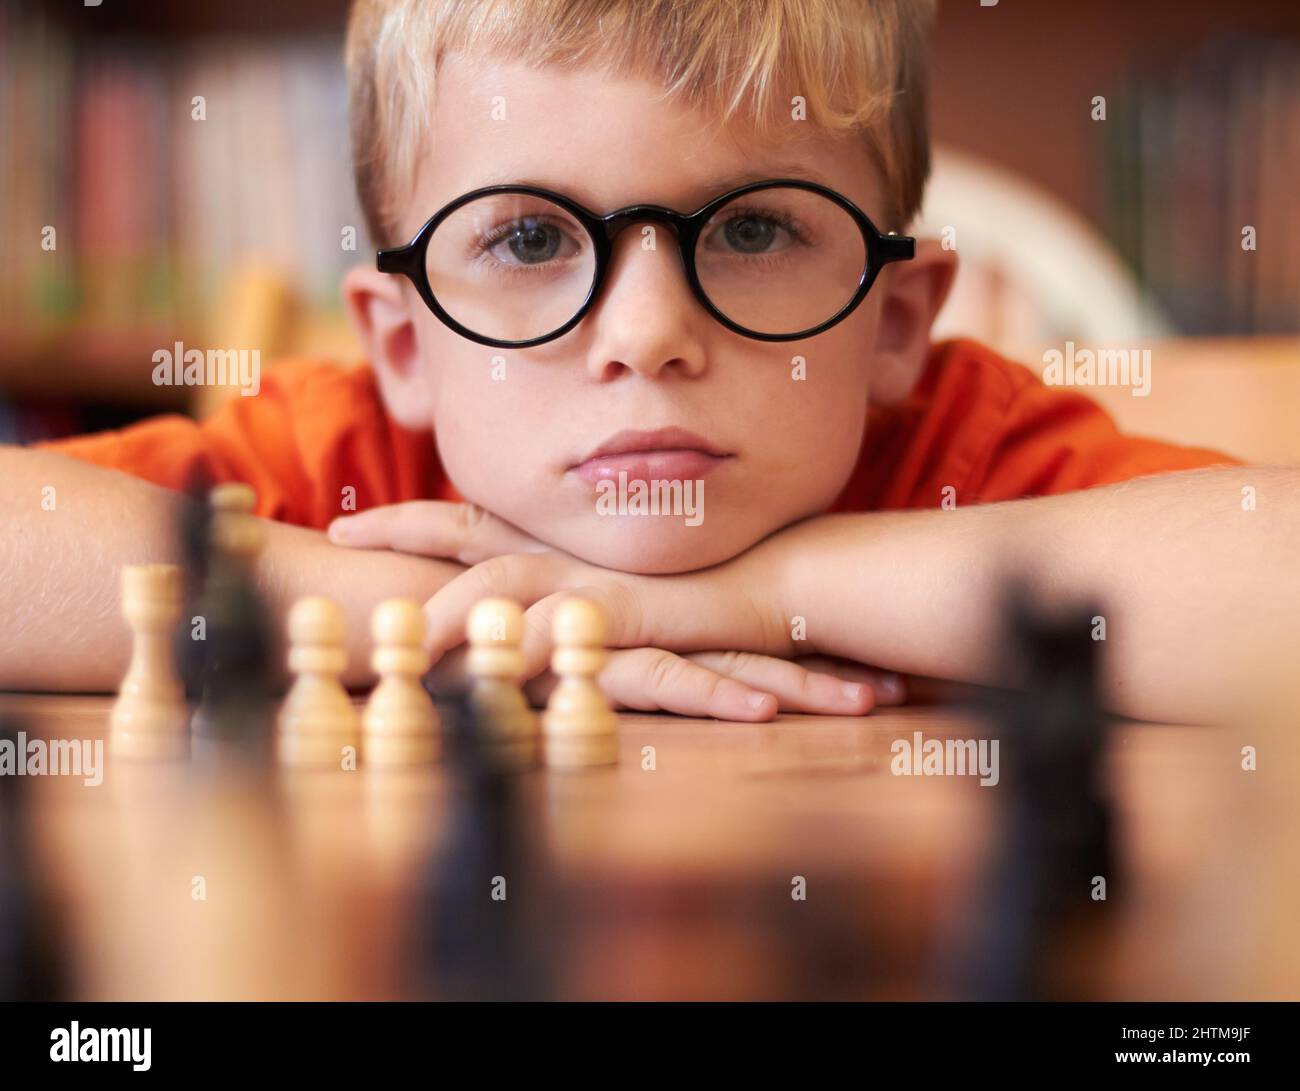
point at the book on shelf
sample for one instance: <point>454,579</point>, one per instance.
<point>1197,154</point>
<point>138,178</point>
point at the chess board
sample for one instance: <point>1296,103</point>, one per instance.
<point>715,860</point>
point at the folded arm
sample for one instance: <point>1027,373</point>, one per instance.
<point>1195,574</point>
<point>70,527</point>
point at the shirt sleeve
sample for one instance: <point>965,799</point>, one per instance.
<point>978,428</point>
<point>314,442</point>
<point>1051,440</point>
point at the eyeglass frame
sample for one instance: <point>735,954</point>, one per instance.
<point>410,260</point>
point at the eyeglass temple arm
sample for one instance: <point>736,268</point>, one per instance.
<point>893,247</point>
<point>397,259</point>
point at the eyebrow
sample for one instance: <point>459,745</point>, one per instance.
<point>796,171</point>
<point>703,193</point>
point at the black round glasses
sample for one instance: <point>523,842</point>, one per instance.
<point>514,266</point>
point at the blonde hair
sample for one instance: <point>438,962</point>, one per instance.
<point>859,65</point>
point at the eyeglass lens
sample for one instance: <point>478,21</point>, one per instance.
<point>513,266</point>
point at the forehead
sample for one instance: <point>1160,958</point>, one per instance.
<point>608,140</point>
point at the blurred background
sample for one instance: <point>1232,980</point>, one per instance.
<point>1119,229</point>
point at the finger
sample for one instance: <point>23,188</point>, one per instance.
<point>433,528</point>
<point>536,645</point>
<point>795,687</point>
<point>448,676</point>
<point>890,688</point>
<point>449,672</point>
<point>538,690</point>
<point>651,679</point>
<point>798,687</point>
<point>618,679</point>
<point>678,613</point>
<point>539,622</point>
<point>526,580</point>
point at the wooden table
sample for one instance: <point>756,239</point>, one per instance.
<point>677,866</point>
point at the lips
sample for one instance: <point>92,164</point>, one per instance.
<point>665,454</point>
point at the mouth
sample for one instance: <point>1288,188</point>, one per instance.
<point>665,454</point>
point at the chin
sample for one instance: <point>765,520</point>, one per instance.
<point>654,547</point>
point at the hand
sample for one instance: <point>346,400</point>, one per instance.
<point>734,605</point>
<point>725,685</point>
<point>734,685</point>
<point>433,528</point>
<point>506,561</point>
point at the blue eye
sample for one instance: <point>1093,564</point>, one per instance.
<point>754,232</point>
<point>525,242</point>
<point>532,242</point>
<point>749,234</point>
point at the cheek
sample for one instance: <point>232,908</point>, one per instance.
<point>467,431</point>
<point>814,425</point>
<point>484,447</point>
<point>488,434</point>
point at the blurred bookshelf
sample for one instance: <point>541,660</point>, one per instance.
<point>1196,152</point>
<point>169,228</point>
<point>132,217</point>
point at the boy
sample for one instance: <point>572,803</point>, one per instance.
<point>562,359</point>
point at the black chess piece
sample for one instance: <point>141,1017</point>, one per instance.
<point>1056,766</point>
<point>232,646</point>
<point>193,537</point>
<point>1056,829</point>
<point>487,895</point>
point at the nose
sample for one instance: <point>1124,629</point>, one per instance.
<point>646,321</point>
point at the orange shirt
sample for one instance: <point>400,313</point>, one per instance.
<point>987,427</point>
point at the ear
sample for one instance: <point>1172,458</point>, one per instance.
<point>914,292</point>
<point>379,307</point>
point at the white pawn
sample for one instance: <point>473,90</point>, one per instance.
<point>150,718</point>
<point>400,726</point>
<point>317,721</point>
<point>579,727</point>
<point>495,630</point>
